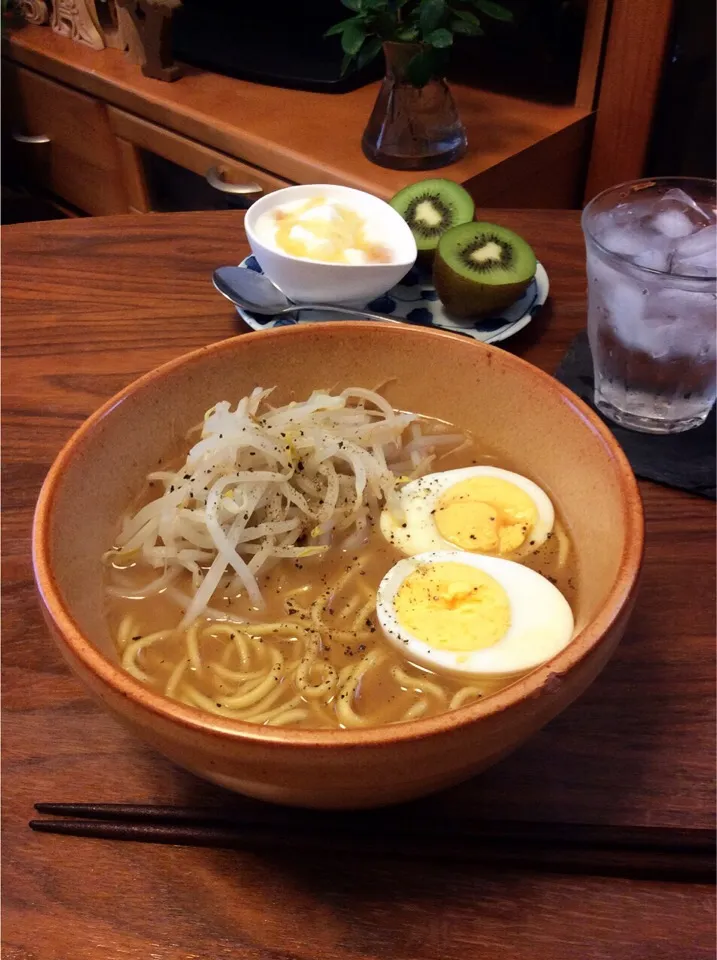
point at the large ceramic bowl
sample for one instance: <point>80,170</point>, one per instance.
<point>547,433</point>
<point>312,281</point>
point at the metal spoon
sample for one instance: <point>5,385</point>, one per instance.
<point>254,292</point>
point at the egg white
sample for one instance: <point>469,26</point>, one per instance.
<point>542,622</point>
<point>417,531</point>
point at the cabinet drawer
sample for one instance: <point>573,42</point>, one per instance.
<point>137,137</point>
<point>80,161</point>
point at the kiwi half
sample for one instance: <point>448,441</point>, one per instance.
<point>430,207</point>
<point>481,268</point>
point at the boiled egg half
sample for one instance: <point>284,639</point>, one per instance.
<point>479,509</point>
<point>462,613</point>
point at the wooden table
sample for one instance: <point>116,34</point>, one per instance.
<point>88,306</point>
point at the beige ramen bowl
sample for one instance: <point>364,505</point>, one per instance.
<point>543,428</point>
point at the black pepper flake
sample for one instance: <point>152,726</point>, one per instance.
<point>138,637</point>
<point>171,489</point>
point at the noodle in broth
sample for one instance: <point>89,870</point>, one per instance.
<point>284,632</point>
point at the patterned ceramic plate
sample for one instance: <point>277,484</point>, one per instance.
<point>415,301</point>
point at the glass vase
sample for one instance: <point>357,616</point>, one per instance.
<point>412,128</point>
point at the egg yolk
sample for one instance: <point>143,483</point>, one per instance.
<point>453,606</point>
<point>328,232</point>
<point>486,515</point>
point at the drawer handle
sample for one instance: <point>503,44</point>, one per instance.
<point>24,138</point>
<point>214,179</point>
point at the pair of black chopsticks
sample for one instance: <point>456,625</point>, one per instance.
<point>658,853</point>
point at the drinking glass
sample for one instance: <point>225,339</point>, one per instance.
<point>652,292</point>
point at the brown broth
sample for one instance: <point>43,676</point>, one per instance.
<point>380,697</point>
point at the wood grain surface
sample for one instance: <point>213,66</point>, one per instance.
<point>631,74</point>
<point>88,305</point>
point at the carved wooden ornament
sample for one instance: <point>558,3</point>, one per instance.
<point>77,19</point>
<point>152,20</point>
<point>34,11</point>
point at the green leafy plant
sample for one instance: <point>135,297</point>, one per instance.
<point>430,23</point>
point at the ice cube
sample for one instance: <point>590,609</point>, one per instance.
<point>625,241</point>
<point>700,265</point>
<point>654,258</point>
<point>702,242</point>
<point>675,198</point>
<point>623,300</point>
<point>673,224</point>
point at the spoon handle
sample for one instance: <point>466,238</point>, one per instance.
<point>345,311</point>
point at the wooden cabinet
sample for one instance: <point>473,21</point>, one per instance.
<point>139,141</point>
<point>520,153</point>
<point>64,140</point>
<point>104,120</point>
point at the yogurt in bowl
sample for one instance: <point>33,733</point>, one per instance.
<point>323,243</point>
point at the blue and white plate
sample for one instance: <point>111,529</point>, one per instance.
<point>415,301</point>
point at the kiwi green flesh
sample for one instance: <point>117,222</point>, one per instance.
<point>481,268</point>
<point>430,207</point>
<point>488,254</point>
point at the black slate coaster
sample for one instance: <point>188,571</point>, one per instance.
<point>682,460</point>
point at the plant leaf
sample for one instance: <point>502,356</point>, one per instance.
<point>420,68</point>
<point>407,34</point>
<point>352,38</point>
<point>431,14</point>
<point>495,10</point>
<point>440,38</point>
<point>467,28</point>
<point>352,4</point>
<point>368,51</point>
<point>339,27</point>
<point>346,63</point>
<point>465,15</point>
